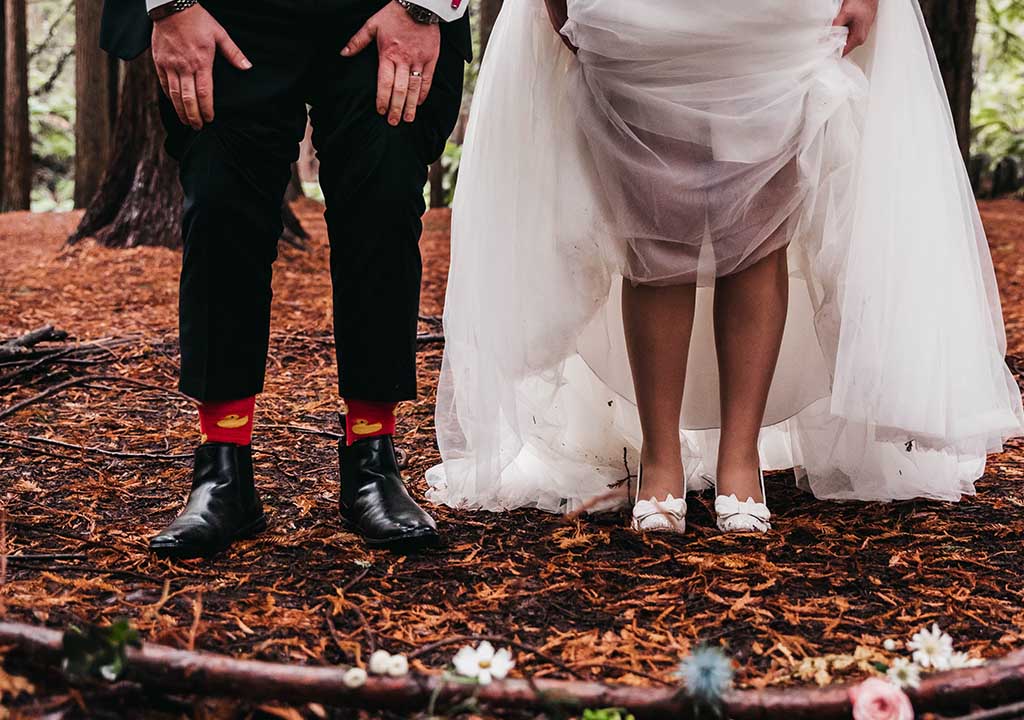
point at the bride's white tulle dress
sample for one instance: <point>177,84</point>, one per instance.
<point>684,142</point>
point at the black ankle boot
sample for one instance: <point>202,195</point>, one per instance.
<point>374,500</point>
<point>222,507</point>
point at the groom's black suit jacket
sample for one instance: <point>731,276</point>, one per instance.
<point>126,29</point>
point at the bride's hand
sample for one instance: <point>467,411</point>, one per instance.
<point>558,14</point>
<point>857,16</point>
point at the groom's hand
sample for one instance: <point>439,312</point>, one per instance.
<point>184,45</point>
<point>407,52</point>
<point>857,16</point>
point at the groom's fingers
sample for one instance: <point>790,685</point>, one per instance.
<point>399,92</point>
<point>428,81</point>
<point>204,91</point>
<point>174,93</point>
<point>385,82</point>
<point>412,100</point>
<point>164,83</point>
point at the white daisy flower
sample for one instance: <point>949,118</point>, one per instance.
<point>891,644</point>
<point>483,663</point>
<point>380,662</point>
<point>398,666</point>
<point>904,673</point>
<point>354,677</point>
<point>959,660</point>
<point>931,648</point>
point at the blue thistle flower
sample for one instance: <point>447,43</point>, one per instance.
<point>706,674</point>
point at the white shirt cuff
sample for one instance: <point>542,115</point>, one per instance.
<point>150,4</point>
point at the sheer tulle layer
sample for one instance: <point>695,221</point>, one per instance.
<point>698,122</point>
<point>686,141</point>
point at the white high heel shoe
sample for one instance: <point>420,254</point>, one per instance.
<point>748,516</point>
<point>668,515</point>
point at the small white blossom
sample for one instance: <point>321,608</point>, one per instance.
<point>960,660</point>
<point>380,662</point>
<point>891,644</point>
<point>483,662</point>
<point>932,648</point>
<point>354,677</point>
<point>398,666</point>
<point>904,673</point>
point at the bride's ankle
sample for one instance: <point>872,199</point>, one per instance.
<point>661,479</point>
<point>740,479</point>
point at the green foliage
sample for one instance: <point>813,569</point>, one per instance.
<point>607,714</point>
<point>998,111</point>
<point>52,102</point>
<point>98,653</point>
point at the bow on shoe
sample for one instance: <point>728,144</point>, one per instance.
<point>746,516</point>
<point>668,515</point>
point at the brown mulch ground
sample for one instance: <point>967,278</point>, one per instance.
<point>830,580</point>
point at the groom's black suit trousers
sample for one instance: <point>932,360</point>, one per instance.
<point>234,173</point>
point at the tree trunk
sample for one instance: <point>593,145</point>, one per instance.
<point>436,178</point>
<point>17,170</point>
<point>3,93</point>
<point>139,200</point>
<point>93,117</point>
<point>952,24</point>
<point>489,10</point>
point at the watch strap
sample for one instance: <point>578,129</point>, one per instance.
<point>170,8</point>
<point>420,14</point>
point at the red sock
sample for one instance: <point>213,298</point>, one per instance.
<point>366,419</point>
<point>229,421</point>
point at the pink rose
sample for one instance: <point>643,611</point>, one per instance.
<point>877,699</point>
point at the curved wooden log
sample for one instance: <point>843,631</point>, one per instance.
<point>999,682</point>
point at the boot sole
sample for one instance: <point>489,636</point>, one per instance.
<point>189,552</point>
<point>411,542</point>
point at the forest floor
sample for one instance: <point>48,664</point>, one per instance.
<point>812,601</point>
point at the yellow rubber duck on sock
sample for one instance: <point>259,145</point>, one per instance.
<point>361,427</point>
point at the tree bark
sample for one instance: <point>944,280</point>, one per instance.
<point>139,198</point>
<point>489,10</point>
<point>435,177</point>
<point>17,171</point>
<point>138,201</point>
<point>93,116</point>
<point>952,24</point>
<point>3,93</point>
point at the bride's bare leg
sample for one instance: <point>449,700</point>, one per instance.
<point>658,322</point>
<point>750,316</point>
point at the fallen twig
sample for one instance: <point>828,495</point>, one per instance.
<point>110,453</point>
<point>20,344</point>
<point>53,390</point>
<point>169,669</point>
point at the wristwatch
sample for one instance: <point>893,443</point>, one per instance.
<point>169,8</point>
<point>417,13</point>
